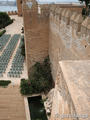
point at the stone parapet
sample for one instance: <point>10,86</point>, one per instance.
<point>71,96</point>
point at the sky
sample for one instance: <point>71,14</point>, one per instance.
<point>8,0</point>
<point>51,0</point>
<point>60,0</point>
<point>47,1</point>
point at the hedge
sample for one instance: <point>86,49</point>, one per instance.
<point>4,83</point>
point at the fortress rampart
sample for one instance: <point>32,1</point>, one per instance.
<point>69,36</point>
<point>61,32</point>
<point>69,41</point>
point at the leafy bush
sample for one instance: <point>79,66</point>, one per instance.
<point>4,20</point>
<point>84,11</point>
<point>40,79</point>
<point>4,83</point>
<point>2,32</point>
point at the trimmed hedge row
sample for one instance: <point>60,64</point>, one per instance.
<point>5,20</point>
<point>4,83</point>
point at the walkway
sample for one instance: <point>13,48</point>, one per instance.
<point>11,104</point>
<point>15,27</point>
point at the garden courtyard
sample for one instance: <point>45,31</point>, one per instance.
<point>12,37</point>
<point>12,68</point>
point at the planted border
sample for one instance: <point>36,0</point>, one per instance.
<point>4,83</point>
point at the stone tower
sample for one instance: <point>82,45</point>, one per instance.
<point>36,33</point>
<point>19,7</point>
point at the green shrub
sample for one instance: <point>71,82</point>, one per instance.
<point>25,87</point>
<point>4,83</point>
<point>2,32</point>
<point>4,20</point>
<point>84,11</point>
<point>40,79</point>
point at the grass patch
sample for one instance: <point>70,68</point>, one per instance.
<point>4,83</point>
<point>2,32</point>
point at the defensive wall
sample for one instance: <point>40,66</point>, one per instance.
<point>69,36</point>
<point>36,27</point>
<point>61,32</point>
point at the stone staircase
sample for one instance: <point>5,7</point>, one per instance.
<point>11,104</point>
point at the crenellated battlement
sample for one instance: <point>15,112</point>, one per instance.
<point>70,19</point>
<point>69,36</point>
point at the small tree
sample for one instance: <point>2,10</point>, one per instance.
<point>85,11</point>
<point>86,2</point>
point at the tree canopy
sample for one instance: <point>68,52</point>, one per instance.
<point>86,2</point>
<point>86,10</point>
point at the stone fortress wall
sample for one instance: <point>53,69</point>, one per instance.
<point>69,36</point>
<point>61,32</point>
<point>36,28</point>
<point>69,40</point>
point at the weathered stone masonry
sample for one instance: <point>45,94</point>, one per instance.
<point>36,34</point>
<point>69,38</point>
<point>19,6</point>
<point>61,32</point>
